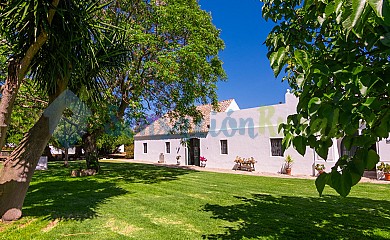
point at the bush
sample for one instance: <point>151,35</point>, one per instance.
<point>129,149</point>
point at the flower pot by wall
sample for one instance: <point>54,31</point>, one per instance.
<point>288,171</point>
<point>387,176</point>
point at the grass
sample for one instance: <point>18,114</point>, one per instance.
<point>136,201</point>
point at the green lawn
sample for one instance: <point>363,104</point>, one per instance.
<point>136,201</point>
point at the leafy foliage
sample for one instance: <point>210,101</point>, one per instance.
<point>336,58</point>
<point>29,106</point>
<point>173,57</point>
<point>171,64</point>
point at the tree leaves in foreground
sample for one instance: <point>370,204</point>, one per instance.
<point>335,55</point>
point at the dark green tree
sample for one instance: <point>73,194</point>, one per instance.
<point>336,58</point>
<point>172,64</point>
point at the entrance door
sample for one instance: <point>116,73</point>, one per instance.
<point>194,152</point>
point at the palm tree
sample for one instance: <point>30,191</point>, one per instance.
<point>76,56</point>
<point>25,29</point>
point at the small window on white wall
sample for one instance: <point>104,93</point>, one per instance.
<point>276,147</point>
<point>224,147</point>
<point>145,148</point>
<point>167,147</point>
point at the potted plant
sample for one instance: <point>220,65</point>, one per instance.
<point>320,168</point>
<point>288,162</point>
<point>385,168</point>
<point>178,159</point>
<point>203,161</point>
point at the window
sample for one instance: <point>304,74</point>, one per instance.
<point>145,148</point>
<point>276,147</point>
<point>224,147</point>
<point>167,147</point>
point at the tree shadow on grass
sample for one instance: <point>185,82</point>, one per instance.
<point>76,199</point>
<point>140,173</point>
<point>289,217</point>
<point>129,172</point>
<point>54,193</point>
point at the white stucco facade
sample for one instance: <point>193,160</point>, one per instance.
<point>248,133</point>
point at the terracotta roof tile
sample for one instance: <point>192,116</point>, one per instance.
<point>164,125</point>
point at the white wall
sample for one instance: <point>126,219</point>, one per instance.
<point>156,147</point>
<point>383,150</point>
<point>248,133</point>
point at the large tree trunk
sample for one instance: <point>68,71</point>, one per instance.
<point>9,92</point>
<point>90,138</point>
<point>90,149</point>
<point>17,69</point>
<point>19,168</point>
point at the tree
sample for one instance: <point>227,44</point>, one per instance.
<point>31,21</point>
<point>72,60</point>
<point>172,63</point>
<point>29,105</point>
<point>71,127</point>
<point>336,58</point>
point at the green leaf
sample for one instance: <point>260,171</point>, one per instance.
<point>381,130</point>
<point>369,101</point>
<point>381,9</point>
<point>302,59</point>
<point>357,10</point>
<point>320,182</point>
<point>286,142</point>
<point>300,145</point>
<point>341,182</point>
<point>307,4</point>
<point>277,59</point>
<point>355,178</point>
<point>372,159</point>
<point>300,80</point>
<point>273,57</point>
<point>358,165</point>
<point>314,105</point>
<point>322,150</point>
<point>329,9</point>
<point>315,126</point>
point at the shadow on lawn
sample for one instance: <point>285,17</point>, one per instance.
<point>129,172</point>
<point>57,195</point>
<point>68,199</point>
<point>140,173</point>
<point>288,217</point>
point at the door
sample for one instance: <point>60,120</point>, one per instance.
<point>194,152</point>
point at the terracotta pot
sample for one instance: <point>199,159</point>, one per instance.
<point>288,171</point>
<point>387,176</point>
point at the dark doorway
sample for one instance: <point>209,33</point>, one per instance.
<point>194,152</point>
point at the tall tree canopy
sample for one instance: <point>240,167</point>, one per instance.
<point>172,62</point>
<point>335,54</point>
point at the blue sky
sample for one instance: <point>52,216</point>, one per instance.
<point>250,78</point>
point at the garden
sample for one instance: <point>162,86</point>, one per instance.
<point>140,201</point>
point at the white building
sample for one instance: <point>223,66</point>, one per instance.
<point>233,132</point>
